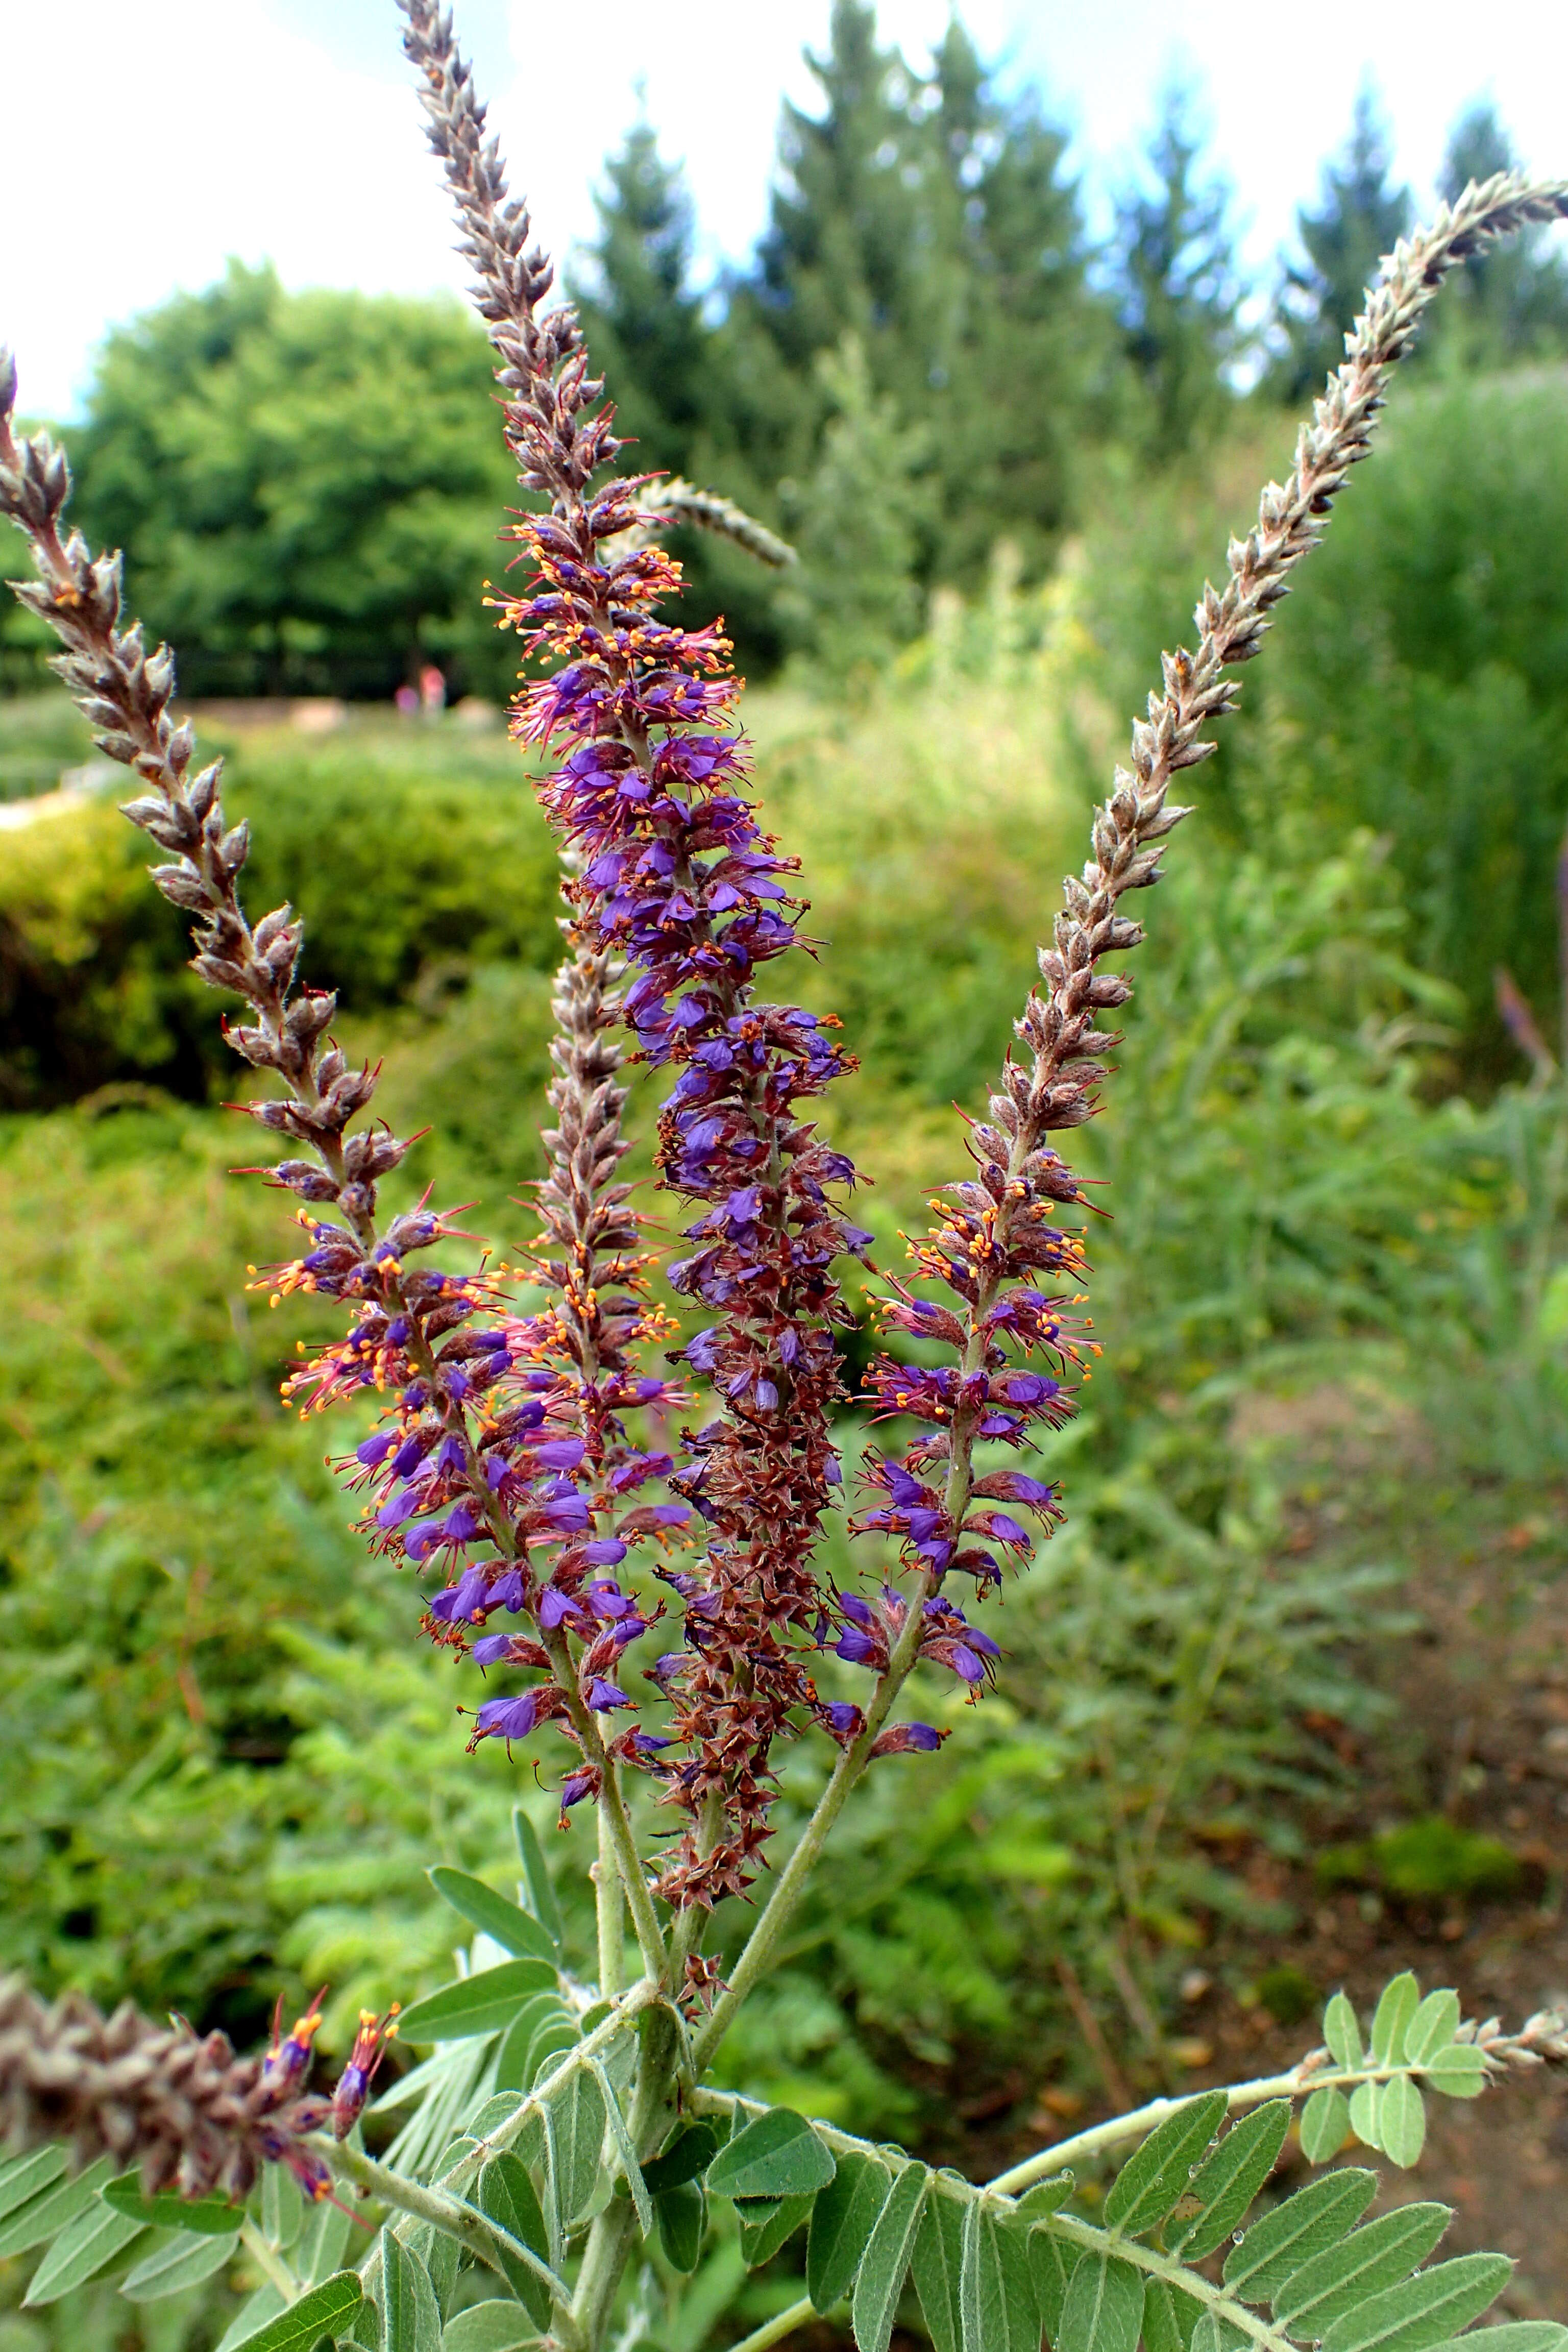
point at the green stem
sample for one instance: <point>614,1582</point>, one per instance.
<point>614,2234</point>
<point>609,1904</point>
<point>757,1954</point>
<point>644,1919</point>
<point>774,2330</point>
<point>406,2196</point>
<point>1305,2076</point>
<point>271,2265</point>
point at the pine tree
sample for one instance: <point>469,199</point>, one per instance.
<point>644,320</point>
<point>932,222</point>
<point>1511,301</point>
<point>858,523</point>
<point>1022,365</point>
<point>842,250</point>
<point>1358,220</point>
<point>1178,288</point>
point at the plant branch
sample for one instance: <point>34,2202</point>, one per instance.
<point>612,1801</point>
<point>459,2219</point>
<point>271,2265</point>
<point>757,1954</point>
<point>782,2323</point>
<point>609,1909</point>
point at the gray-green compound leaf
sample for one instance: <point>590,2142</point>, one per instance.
<point>681,2214</point>
<point>577,2124</point>
<point>1006,2245</point>
<point>27,2177</point>
<point>1051,2266</point>
<point>511,2061</point>
<point>762,2238</point>
<point>506,2194</point>
<point>488,2327</point>
<point>46,2216</point>
<point>1325,2125</point>
<point>779,2154</point>
<point>1170,2316</point>
<point>630,2167</point>
<point>1229,2178</point>
<point>541,1891</point>
<point>1154,2180</point>
<point>887,2259</point>
<point>282,2207</point>
<point>842,2220</point>
<point>326,2242</point>
<point>1377,2255</point>
<point>329,2309</point>
<point>1432,2028</point>
<point>206,2217</point>
<point>1366,2112</point>
<point>998,2309</point>
<point>516,1931</point>
<point>936,2263</point>
<point>83,2249</point>
<point>687,2157</point>
<point>182,2260</point>
<point>1103,2311</point>
<point>1460,2073</point>
<point>1307,2224</point>
<point>253,2315</point>
<point>1341,2031</point>
<point>1402,2122</point>
<point>484,2003</point>
<point>410,2321</point>
<point>1423,2310</point>
<point>1216,2334</point>
<point>1391,2020</point>
<point>1518,2335</point>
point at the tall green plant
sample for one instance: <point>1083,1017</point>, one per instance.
<point>566,2126</point>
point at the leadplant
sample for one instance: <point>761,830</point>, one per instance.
<point>560,2168</point>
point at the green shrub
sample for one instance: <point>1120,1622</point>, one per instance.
<point>389,844</point>
<point>1426,1862</point>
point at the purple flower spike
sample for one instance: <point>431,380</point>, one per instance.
<point>907,1739</point>
<point>604,1551</point>
<point>603,1696</point>
<point>507,1718</point>
<point>860,1649</point>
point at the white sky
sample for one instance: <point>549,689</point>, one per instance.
<point>175,133</point>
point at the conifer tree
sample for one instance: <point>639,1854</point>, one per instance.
<point>842,252</point>
<point>931,221</point>
<point>1178,289</point>
<point>1359,217</point>
<point>1509,300</point>
<point>1020,376</point>
<point>640,307</point>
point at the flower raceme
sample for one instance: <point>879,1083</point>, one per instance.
<point>676,878</point>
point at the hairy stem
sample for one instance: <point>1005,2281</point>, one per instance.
<point>613,1804</point>
<point>271,2265</point>
<point>609,1907</point>
<point>760,1944</point>
<point>614,2234</point>
<point>782,2323</point>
